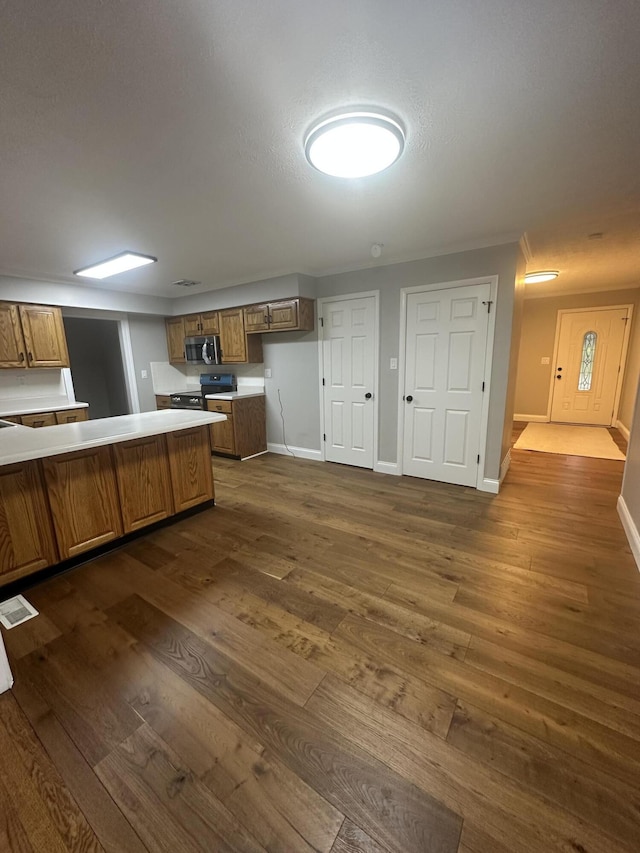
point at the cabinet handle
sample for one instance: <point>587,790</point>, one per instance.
<point>21,359</point>
<point>29,356</point>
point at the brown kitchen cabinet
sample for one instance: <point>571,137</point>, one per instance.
<point>26,535</point>
<point>13,352</point>
<point>284,315</point>
<point>206,323</point>
<point>84,499</point>
<point>163,401</point>
<point>14,419</point>
<point>42,419</point>
<point>236,347</point>
<point>72,416</point>
<point>44,336</point>
<point>175,339</point>
<point>190,467</point>
<point>244,433</point>
<point>142,472</point>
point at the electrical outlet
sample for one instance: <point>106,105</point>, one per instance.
<point>143,374</point>
<point>393,364</point>
<point>267,373</point>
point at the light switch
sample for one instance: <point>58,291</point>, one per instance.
<point>545,360</point>
<point>393,364</point>
<point>143,374</point>
<point>267,373</point>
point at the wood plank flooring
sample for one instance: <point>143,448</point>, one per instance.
<point>340,661</point>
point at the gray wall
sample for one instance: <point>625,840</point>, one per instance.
<point>502,261</point>
<point>149,343</point>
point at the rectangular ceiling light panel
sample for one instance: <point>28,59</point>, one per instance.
<point>118,263</point>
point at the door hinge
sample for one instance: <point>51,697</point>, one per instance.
<point>321,321</point>
<point>324,436</point>
<point>323,380</point>
<point>478,460</point>
<point>483,386</point>
<point>488,304</point>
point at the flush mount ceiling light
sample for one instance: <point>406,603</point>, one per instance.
<point>539,277</point>
<point>118,263</point>
<point>354,144</point>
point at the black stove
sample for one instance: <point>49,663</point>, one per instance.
<point>217,383</point>
<point>190,400</point>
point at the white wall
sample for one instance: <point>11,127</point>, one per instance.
<point>6,679</point>
<point>629,503</point>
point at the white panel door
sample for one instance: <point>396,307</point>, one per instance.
<point>446,339</point>
<point>348,352</point>
<point>588,365</point>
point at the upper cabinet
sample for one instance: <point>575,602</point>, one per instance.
<point>32,336</point>
<point>286,315</point>
<point>13,352</point>
<point>236,347</point>
<point>44,336</point>
<point>175,339</point>
<point>206,323</point>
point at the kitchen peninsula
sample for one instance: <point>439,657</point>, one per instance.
<point>69,489</point>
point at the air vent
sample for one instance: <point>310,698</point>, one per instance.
<point>185,282</point>
<point>15,611</point>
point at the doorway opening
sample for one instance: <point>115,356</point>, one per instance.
<point>97,365</point>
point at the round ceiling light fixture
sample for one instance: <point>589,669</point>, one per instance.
<point>539,277</point>
<point>354,144</point>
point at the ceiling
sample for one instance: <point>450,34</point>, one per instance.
<point>175,129</point>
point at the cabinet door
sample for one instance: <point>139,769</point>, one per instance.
<point>163,401</point>
<point>142,470</point>
<point>256,318</point>
<point>210,323</point>
<point>283,315</point>
<point>12,349</point>
<point>72,416</point>
<point>175,340</point>
<point>222,437</point>
<point>232,337</point>
<point>44,419</point>
<point>26,537</point>
<point>192,325</point>
<point>190,465</point>
<point>44,336</point>
<point>83,497</point>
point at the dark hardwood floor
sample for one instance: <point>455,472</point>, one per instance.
<point>337,660</point>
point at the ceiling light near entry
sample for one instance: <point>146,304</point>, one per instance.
<point>117,264</point>
<point>354,145</point>
<point>539,277</point>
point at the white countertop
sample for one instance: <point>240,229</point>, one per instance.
<point>36,407</point>
<point>247,391</point>
<point>20,443</point>
<point>193,389</point>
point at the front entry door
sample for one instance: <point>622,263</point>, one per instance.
<point>348,362</point>
<point>588,366</point>
<point>446,340</point>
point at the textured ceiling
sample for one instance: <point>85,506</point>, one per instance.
<point>176,129</point>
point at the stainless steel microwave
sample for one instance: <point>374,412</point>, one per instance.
<point>203,350</point>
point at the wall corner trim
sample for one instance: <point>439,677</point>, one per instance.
<point>489,485</point>
<point>506,463</point>
<point>623,429</point>
<point>6,679</point>
<point>387,468</point>
<point>630,529</point>
<point>298,452</point>
<point>533,419</point>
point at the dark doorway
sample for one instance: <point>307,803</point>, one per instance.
<point>96,365</point>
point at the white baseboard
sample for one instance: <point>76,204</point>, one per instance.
<point>387,468</point>
<point>506,462</point>
<point>534,419</point>
<point>6,679</point>
<point>489,485</point>
<point>630,529</point>
<point>625,432</point>
<point>298,452</point>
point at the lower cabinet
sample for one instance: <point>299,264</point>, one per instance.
<point>26,535</point>
<point>83,497</point>
<point>72,416</point>
<point>142,470</point>
<point>244,433</point>
<point>42,419</point>
<point>190,466</point>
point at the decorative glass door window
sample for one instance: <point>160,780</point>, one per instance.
<point>586,364</point>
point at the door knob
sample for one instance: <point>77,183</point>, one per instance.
<point>409,399</point>
<point>368,395</point>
